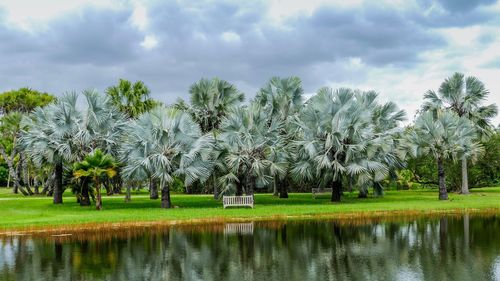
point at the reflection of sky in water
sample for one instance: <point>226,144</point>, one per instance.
<point>422,249</point>
<point>7,251</point>
<point>496,269</point>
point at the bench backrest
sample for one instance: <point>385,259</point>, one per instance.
<point>238,200</point>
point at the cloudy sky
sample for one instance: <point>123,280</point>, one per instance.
<point>400,48</point>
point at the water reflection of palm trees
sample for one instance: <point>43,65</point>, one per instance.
<point>445,248</point>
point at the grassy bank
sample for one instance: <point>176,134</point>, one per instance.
<point>19,212</point>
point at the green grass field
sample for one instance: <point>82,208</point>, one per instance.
<point>19,212</point>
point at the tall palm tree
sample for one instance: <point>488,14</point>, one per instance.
<point>281,99</point>
<point>445,135</point>
<point>96,165</point>
<point>464,96</point>
<point>338,139</point>
<point>165,143</point>
<point>247,142</point>
<point>47,136</point>
<point>211,101</point>
<point>131,98</point>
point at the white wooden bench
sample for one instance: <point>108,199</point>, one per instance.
<point>320,190</point>
<point>229,201</point>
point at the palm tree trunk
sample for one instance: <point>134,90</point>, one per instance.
<point>98,201</point>
<point>127,195</point>
<point>250,185</point>
<point>336,190</point>
<point>284,188</point>
<point>58,189</point>
<point>153,189</point>
<point>239,187</point>
<point>85,198</point>
<point>216,191</point>
<point>275,187</point>
<point>443,193</point>
<point>465,180</point>
<point>165,196</point>
<point>363,192</point>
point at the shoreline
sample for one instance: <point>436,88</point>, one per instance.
<point>363,217</point>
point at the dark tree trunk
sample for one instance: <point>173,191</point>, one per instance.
<point>98,201</point>
<point>117,183</point>
<point>363,193</point>
<point>85,198</point>
<point>443,193</point>
<point>58,189</point>
<point>284,188</point>
<point>216,190</point>
<point>107,186</point>
<point>250,186</point>
<point>153,189</point>
<point>239,187</point>
<point>275,188</point>
<point>336,190</point>
<point>165,197</point>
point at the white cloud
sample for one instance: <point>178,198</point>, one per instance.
<point>139,16</point>
<point>149,42</point>
<point>230,37</point>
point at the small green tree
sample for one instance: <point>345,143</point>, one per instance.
<point>23,100</point>
<point>131,98</point>
<point>96,165</point>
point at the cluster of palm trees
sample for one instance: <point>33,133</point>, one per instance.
<point>336,136</point>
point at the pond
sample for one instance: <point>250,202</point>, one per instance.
<point>440,248</point>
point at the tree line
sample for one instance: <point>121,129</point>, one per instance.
<point>342,139</point>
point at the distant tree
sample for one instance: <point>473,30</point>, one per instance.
<point>443,135</point>
<point>48,137</point>
<point>339,138</point>
<point>281,99</point>
<point>211,101</point>
<point>163,144</point>
<point>96,166</point>
<point>23,100</point>
<point>131,98</point>
<point>464,96</point>
<point>246,144</point>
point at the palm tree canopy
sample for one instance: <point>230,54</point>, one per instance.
<point>47,134</point>
<point>211,100</point>
<point>444,135</point>
<point>281,97</point>
<point>95,165</point>
<point>131,98</point>
<point>164,143</point>
<point>248,141</point>
<point>345,132</point>
<point>464,96</point>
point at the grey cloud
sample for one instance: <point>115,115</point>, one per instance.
<point>96,47</point>
<point>454,13</point>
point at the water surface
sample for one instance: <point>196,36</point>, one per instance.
<point>443,248</point>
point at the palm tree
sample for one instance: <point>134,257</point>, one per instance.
<point>247,142</point>
<point>96,165</point>
<point>445,135</point>
<point>281,99</point>
<point>131,99</point>
<point>47,136</point>
<point>211,100</point>
<point>165,143</point>
<point>464,96</point>
<point>102,127</point>
<point>338,139</point>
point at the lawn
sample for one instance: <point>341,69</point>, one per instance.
<point>19,212</point>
